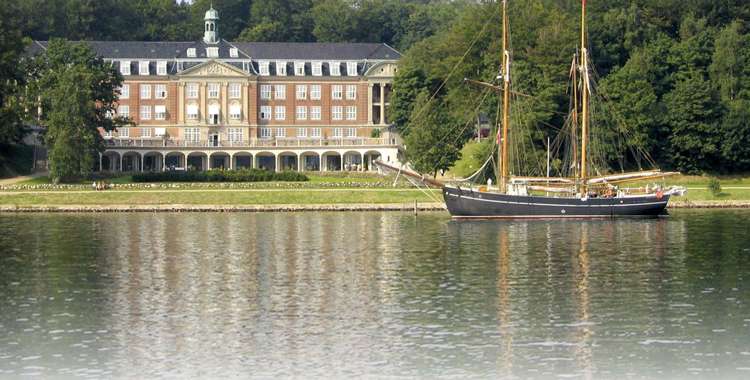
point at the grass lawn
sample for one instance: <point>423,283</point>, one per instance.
<point>215,197</point>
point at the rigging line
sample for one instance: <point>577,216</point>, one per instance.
<point>454,69</point>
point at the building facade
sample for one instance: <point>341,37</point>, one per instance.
<point>280,106</point>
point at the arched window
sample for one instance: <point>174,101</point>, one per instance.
<point>211,27</point>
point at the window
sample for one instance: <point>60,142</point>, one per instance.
<point>235,90</point>
<point>192,112</point>
<point>280,113</point>
<point>351,69</point>
<point>160,91</point>
<point>192,90</point>
<point>315,92</point>
<point>125,67</point>
<point>191,52</point>
<point>146,132</point>
<point>280,132</point>
<point>145,112</point>
<point>145,91</point>
<point>299,69</point>
<point>160,112</point>
<point>351,92</point>
<point>107,134</point>
<point>192,134</point>
<point>337,113</point>
<point>351,113</point>
<point>317,69</point>
<point>281,68</point>
<point>280,91</point>
<point>301,92</point>
<point>125,91</point>
<point>301,113</point>
<point>247,66</point>
<point>212,52</point>
<point>265,133</point>
<point>161,68</point>
<point>335,68</point>
<point>213,91</point>
<point>315,132</point>
<point>143,68</point>
<point>315,113</point>
<point>265,112</point>
<point>234,134</point>
<point>351,132</point>
<point>233,53</point>
<point>123,111</point>
<point>338,132</point>
<point>265,91</point>
<point>214,110</point>
<point>337,92</point>
<point>235,112</point>
<point>302,132</point>
<point>123,132</point>
<point>263,67</point>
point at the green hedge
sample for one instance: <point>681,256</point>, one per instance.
<point>244,175</point>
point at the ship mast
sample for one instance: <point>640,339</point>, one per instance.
<point>584,103</point>
<point>504,162</point>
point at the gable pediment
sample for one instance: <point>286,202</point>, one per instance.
<point>213,69</point>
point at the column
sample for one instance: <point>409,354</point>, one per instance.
<point>382,103</point>
<point>224,94</point>
<point>369,103</point>
<point>300,163</point>
<point>140,162</point>
<point>121,162</point>
<point>231,162</point>
<point>181,103</point>
<point>163,162</point>
<point>101,169</point>
<point>245,106</point>
<point>203,94</point>
<point>208,162</point>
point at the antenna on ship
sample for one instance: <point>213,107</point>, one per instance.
<point>503,148</point>
<point>585,92</point>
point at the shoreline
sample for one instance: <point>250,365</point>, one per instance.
<point>342,207</point>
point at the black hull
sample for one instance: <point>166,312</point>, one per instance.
<point>467,203</point>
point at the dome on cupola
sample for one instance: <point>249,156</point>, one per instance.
<point>211,14</point>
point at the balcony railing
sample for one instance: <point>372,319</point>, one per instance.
<point>252,143</point>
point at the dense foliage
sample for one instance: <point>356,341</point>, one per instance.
<point>672,78</point>
<point>242,175</point>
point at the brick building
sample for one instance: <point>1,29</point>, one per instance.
<point>281,106</point>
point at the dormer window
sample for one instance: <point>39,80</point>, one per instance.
<point>281,68</point>
<point>299,69</point>
<point>212,52</point>
<point>143,68</point>
<point>191,52</point>
<point>161,68</point>
<point>233,53</point>
<point>125,67</point>
<point>263,67</point>
<point>335,68</point>
<point>317,69</point>
<point>351,69</point>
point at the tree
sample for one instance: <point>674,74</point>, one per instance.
<point>432,143</point>
<point>78,93</point>
<point>279,20</point>
<point>728,61</point>
<point>11,76</point>
<point>735,137</point>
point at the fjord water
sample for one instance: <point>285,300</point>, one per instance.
<point>380,295</point>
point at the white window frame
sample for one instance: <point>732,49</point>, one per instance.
<point>145,91</point>
<point>125,67</point>
<point>265,133</point>
<point>315,132</point>
<point>299,69</point>
<point>235,116</point>
<point>280,132</point>
<point>280,113</point>
<point>125,91</point>
<point>351,92</point>
<point>214,89</point>
<point>146,132</point>
<point>337,92</point>
<point>317,69</point>
<point>281,68</point>
<point>161,68</point>
<point>235,90</point>
<point>264,68</point>
<point>123,111</point>
<point>334,68</point>
<point>234,135</point>
<point>350,133</point>
<point>160,115</point>
<point>315,92</point>
<point>233,53</point>
<point>351,69</point>
<point>337,113</point>
<point>192,90</point>
<point>212,52</point>
<point>315,113</point>
<point>302,133</point>
<point>301,92</point>
<point>194,116</point>
<point>123,132</point>
<point>351,112</point>
<point>145,113</point>
<point>265,92</point>
<point>143,68</point>
<point>266,113</point>
<point>279,91</point>
<point>301,113</point>
<point>192,134</point>
<point>191,52</point>
<point>160,91</point>
<point>338,132</point>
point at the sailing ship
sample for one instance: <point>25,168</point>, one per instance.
<point>577,196</point>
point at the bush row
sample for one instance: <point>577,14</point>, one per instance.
<point>244,175</point>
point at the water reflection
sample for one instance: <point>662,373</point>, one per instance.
<point>363,294</point>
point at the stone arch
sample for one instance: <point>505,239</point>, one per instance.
<point>242,160</point>
<point>310,161</point>
<point>153,161</point>
<point>175,161</point>
<point>369,157</point>
<point>265,160</point>
<point>287,161</point>
<point>219,160</point>
<point>131,161</point>
<point>352,161</point>
<point>196,160</point>
<point>110,161</point>
<point>331,161</point>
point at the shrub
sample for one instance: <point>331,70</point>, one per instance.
<point>244,175</point>
<point>714,186</point>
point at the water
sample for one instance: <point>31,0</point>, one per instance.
<point>376,295</point>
